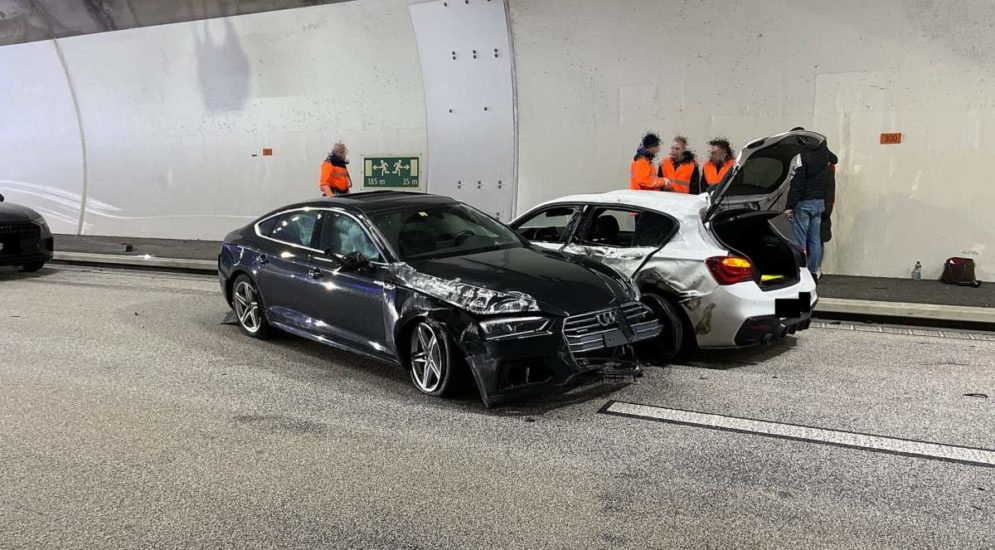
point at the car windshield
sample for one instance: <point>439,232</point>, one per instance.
<point>442,230</point>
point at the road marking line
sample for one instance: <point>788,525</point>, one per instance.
<point>839,438</point>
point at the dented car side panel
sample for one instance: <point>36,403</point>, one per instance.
<point>678,268</point>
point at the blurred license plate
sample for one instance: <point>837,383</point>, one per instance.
<point>614,339</point>
<point>791,308</point>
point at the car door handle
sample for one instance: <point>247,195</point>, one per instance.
<point>315,273</point>
<point>263,259</point>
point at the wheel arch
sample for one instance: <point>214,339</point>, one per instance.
<point>230,286</point>
<point>402,333</point>
<point>674,297</point>
<point>230,282</point>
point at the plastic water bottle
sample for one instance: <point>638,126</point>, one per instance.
<point>917,272</point>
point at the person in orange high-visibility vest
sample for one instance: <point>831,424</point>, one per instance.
<point>334,179</point>
<point>720,161</point>
<point>680,168</point>
<point>642,171</point>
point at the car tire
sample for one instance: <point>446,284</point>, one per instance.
<point>431,362</point>
<point>671,341</point>
<point>247,302</point>
<point>31,268</point>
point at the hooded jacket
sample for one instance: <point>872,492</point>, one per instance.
<point>334,176</point>
<point>810,179</point>
<point>642,173</point>
<point>684,170</point>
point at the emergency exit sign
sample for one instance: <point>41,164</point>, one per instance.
<point>390,172</point>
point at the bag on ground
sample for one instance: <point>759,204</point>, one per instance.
<point>959,271</point>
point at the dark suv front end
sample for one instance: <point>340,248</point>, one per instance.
<point>25,238</point>
<point>595,344</point>
<point>571,320</point>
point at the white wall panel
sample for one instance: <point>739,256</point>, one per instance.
<point>174,113</point>
<point>467,65</point>
<point>41,161</point>
<point>593,76</point>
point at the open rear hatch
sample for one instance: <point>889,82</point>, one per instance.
<point>750,234</point>
<point>739,214</point>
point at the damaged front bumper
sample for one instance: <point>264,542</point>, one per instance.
<point>571,353</point>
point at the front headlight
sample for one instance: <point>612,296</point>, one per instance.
<point>513,326</point>
<point>477,300</point>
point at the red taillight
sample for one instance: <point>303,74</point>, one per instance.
<point>729,270</point>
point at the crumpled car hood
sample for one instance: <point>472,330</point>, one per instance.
<point>559,285</point>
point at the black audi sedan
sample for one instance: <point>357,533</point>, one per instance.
<point>25,239</point>
<point>436,287</point>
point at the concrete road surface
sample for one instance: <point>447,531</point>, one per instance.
<point>130,417</point>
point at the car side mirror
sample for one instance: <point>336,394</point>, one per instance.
<point>1,197</point>
<point>353,261</point>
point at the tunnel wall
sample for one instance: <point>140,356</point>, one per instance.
<point>176,116</point>
<point>173,114</point>
<point>593,76</point>
<point>468,69</point>
<point>41,159</point>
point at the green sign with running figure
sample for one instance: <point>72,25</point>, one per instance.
<point>390,172</point>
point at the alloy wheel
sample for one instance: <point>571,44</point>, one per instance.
<point>428,359</point>
<point>246,303</point>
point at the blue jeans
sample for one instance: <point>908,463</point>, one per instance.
<point>806,221</point>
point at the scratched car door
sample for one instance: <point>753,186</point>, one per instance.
<point>348,305</point>
<point>621,238</point>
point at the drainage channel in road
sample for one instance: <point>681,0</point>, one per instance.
<point>907,331</point>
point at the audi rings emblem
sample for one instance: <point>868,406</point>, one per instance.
<point>606,318</point>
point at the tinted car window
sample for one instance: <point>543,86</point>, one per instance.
<point>442,230</point>
<point>627,228</point>
<point>266,226</point>
<point>293,227</point>
<point>759,176</point>
<point>341,234</point>
<point>549,225</point>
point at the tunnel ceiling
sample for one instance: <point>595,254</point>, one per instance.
<point>31,20</point>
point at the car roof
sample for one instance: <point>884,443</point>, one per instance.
<point>680,205</point>
<point>374,201</point>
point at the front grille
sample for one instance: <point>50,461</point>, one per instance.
<point>609,327</point>
<point>25,230</point>
<point>18,238</point>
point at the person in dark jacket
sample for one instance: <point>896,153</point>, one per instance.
<point>826,227</point>
<point>806,202</point>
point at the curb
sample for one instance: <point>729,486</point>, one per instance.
<point>146,261</point>
<point>906,313</point>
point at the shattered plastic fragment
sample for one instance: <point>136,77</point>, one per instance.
<point>472,298</point>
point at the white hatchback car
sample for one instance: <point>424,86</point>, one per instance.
<point>714,262</point>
